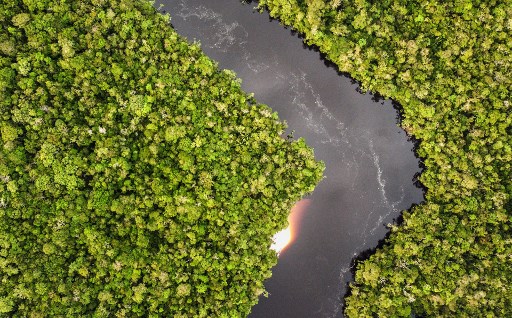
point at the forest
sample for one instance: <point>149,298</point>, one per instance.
<point>136,178</point>
<point>448,65</point>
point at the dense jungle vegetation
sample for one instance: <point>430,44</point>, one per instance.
<point>449,65</point>
<point>136,178</point>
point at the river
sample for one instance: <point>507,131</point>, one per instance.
<point>369,160</point>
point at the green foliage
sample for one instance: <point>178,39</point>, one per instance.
<point>136,179</point>
<point>449,65</point>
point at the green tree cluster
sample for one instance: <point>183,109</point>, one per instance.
<point>449,65</point>
<point>136,178</point>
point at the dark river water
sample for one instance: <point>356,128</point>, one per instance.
<point>369,161</point>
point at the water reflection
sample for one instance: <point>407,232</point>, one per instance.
<point>286,237</point>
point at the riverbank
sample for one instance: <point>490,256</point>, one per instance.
<point>447,66</point>
<point>136,178</point>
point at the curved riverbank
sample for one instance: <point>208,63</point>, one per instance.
<point>137,179</point>
<point>369,160</point>
<point>447,65</point>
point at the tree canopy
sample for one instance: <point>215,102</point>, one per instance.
<point>136,178</point>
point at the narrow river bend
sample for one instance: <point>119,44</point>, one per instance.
<point>369,161</point>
